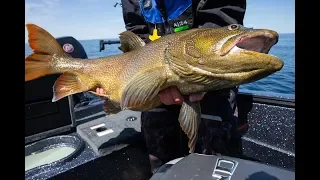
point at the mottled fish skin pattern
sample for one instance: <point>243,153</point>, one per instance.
<point>194,61</point>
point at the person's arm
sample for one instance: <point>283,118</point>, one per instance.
<point>217,13</point>
<point>133,19</point>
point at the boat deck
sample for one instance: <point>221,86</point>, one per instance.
<point>270,133</point>
<point>122,138</point>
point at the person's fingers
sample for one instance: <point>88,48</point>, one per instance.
<point>196,97</point>
<point>171,95</point>
<point>165,97</point>
<point>176,96</point>
<point>101,91</point>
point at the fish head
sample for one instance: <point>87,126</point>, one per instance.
<point>234,54</point>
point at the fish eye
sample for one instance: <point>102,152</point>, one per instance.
<point>233,27</point>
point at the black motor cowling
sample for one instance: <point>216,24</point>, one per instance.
<point>73,47</point>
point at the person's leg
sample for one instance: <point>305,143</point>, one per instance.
<point>161,131</point>
<point>217,136</point>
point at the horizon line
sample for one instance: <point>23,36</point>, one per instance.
<point>118,37</point>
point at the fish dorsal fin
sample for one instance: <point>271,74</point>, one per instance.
<point>130,41</point>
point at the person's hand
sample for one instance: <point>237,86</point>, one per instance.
<point>171,95</point>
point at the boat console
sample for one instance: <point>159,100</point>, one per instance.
<point>210,167</point>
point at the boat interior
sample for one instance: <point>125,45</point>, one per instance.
<point>75,139</point>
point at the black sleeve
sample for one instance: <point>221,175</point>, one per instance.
<point>217,13</point>
<point>133,19</point>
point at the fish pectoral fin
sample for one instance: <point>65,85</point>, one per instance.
<point>130,41</point>
<point>142,88</point>
<point>189,119</point>
<point>68,84</point>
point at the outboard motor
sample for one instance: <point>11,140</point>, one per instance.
<point>44,118</point>
<point>73,47</point>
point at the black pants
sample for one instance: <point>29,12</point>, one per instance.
<point>165,139</point>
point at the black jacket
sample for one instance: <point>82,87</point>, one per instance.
<point>206,13</point>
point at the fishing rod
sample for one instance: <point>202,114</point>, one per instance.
<point>120,4</point>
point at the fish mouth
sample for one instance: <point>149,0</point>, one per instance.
<point>257,44</point>
<point>232,76</point>
<point>259,41</point>
<point>249,59</point>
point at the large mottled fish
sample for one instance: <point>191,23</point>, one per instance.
<point>194,61</point>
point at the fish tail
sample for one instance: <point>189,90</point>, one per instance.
<point>45,51</point>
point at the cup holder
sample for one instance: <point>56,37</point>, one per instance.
<point>52,151</point>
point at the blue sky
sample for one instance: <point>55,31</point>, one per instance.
<point>98,19</point>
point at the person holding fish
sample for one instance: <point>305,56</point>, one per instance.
<point>152,19</point>
<point>170,48</point>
